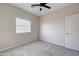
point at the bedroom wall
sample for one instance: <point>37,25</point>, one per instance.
<point>8,36</point>
<point>52,26</point>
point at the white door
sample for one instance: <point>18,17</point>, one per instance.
<point>72,31</point>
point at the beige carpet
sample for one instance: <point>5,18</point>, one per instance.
<point>40,48</point>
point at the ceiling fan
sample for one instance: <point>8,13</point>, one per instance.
<point>41,5</point>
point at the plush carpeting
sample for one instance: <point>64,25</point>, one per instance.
<point>40,48</point>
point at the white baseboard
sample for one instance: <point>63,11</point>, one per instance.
<point>53,43</point>
<point>11,47</point>
<point>60,45</point>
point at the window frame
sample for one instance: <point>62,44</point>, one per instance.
<point>21,24</point>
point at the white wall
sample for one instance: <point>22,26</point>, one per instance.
<point>8,36</point>
<point>52,26</point>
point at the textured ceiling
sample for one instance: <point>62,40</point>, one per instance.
<point>36,11</point>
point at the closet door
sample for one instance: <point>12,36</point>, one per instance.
<point>72,31</point>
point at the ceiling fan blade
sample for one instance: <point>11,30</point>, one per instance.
<point>42,4</point>
<point>47,7</point>
<point>35,5</point>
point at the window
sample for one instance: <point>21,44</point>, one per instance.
<point>22,26</point>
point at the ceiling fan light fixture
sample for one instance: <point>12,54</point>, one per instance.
<point>40,9</point>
